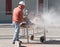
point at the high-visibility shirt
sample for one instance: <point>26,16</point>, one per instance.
<point>17,15</point>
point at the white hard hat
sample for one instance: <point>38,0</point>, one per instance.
<point>22,3</point>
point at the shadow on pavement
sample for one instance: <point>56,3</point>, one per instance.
<point>23,46</point>
<point>52,42</point>
<point>46,42</point>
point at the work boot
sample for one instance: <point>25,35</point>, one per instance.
<point>20,41</point>
<point>13,42</point>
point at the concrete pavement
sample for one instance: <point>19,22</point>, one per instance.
<point>6,34</point>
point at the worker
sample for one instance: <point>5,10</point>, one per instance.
<point>17,18</point>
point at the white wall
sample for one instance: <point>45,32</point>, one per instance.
<point>30,4</point>
<point>2,5</point>
<point>2,10</point>
<point>15,3</point>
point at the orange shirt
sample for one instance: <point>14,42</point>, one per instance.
<point>17,15</point>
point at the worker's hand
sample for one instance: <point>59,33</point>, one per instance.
<point>24,16</point>
<point>27,12</point>
<point>23,20</point>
